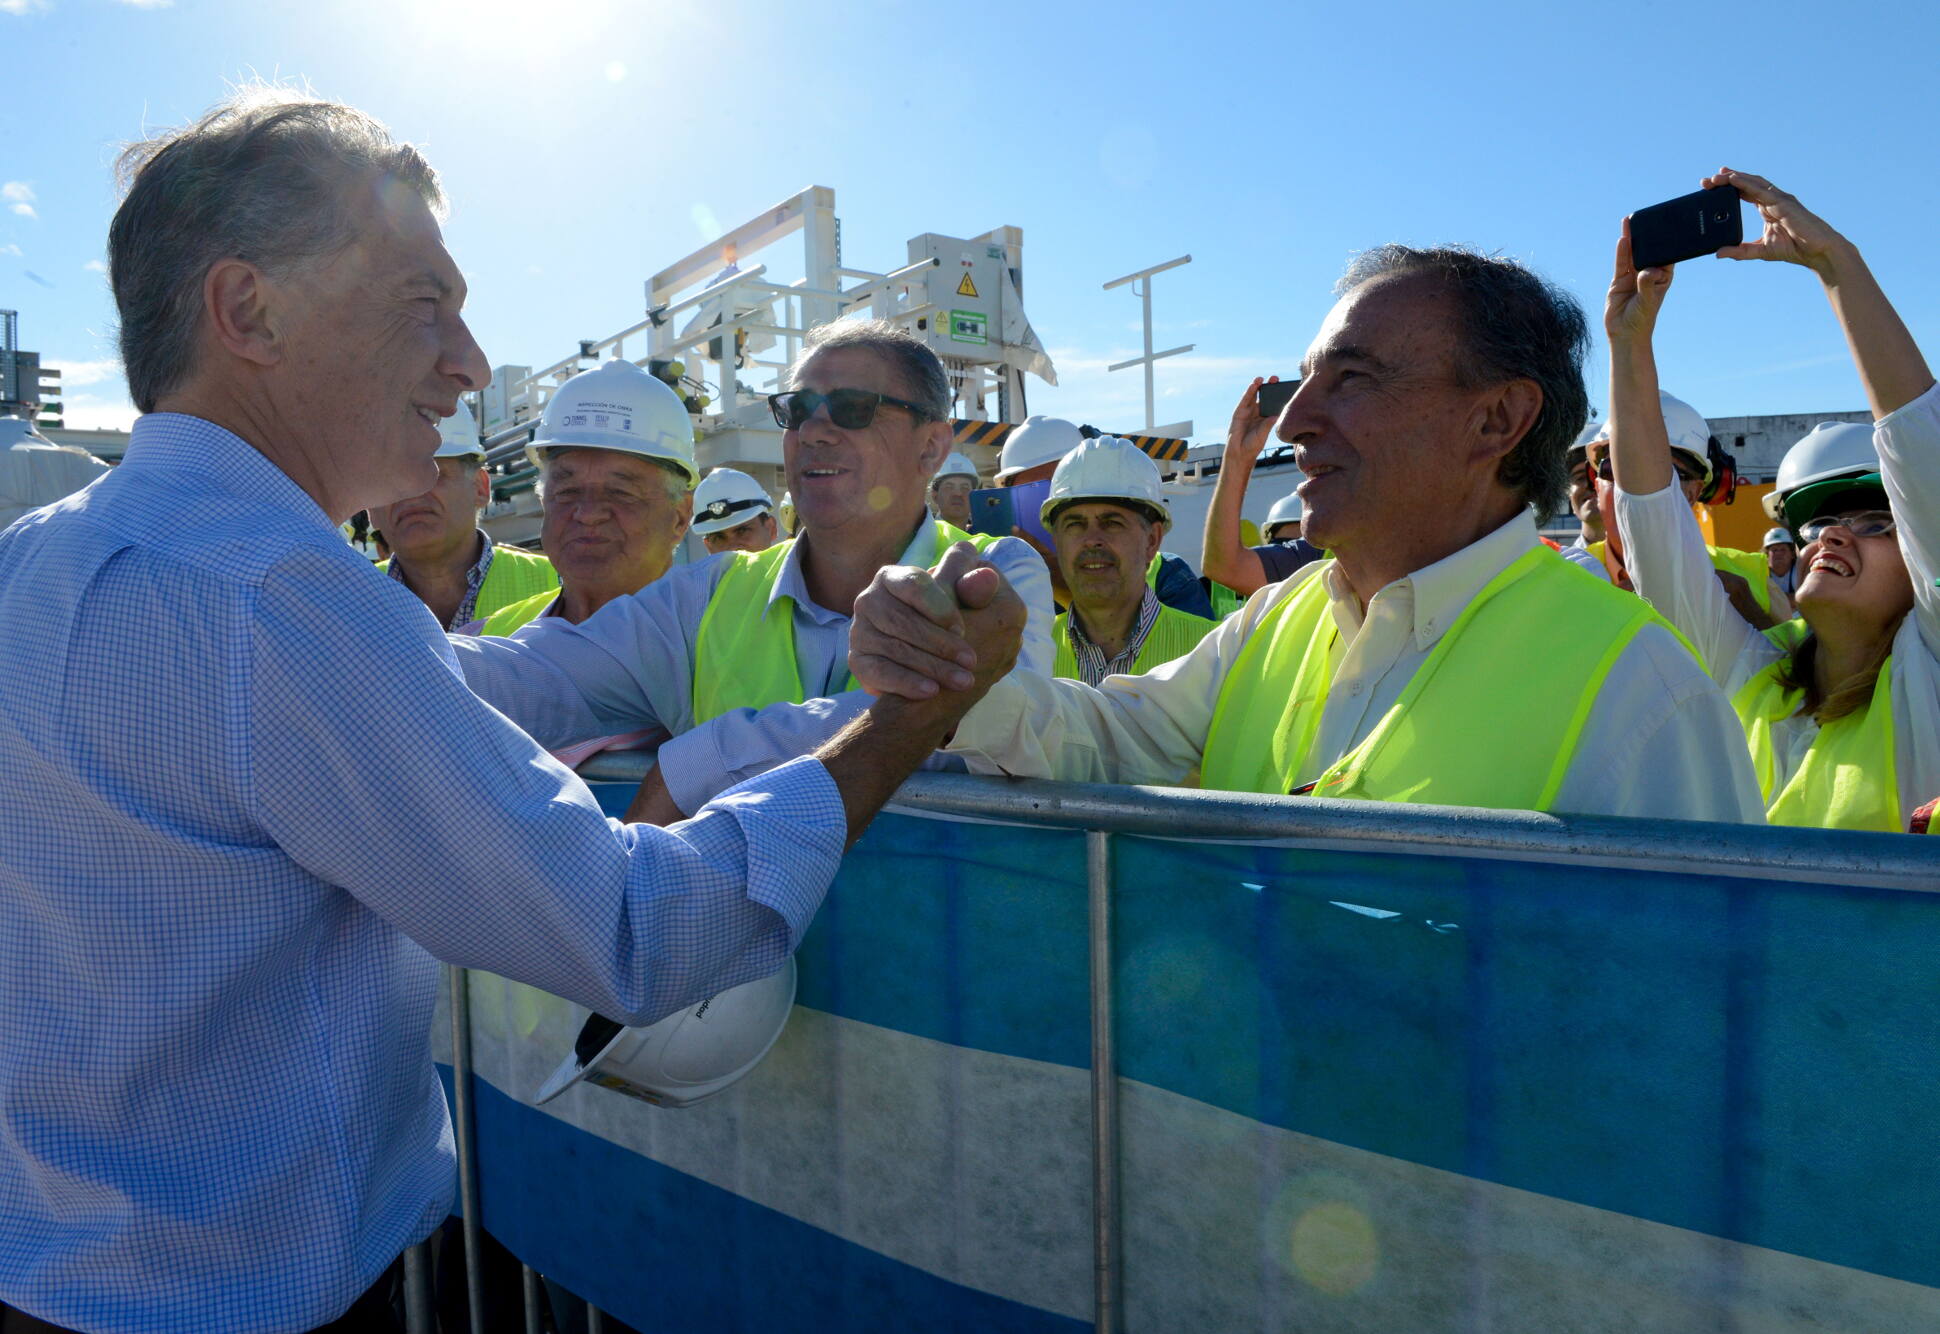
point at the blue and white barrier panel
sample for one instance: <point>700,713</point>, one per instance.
<point>1361,1087</point>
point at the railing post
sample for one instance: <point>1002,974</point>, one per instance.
<point>461,1115</point>
<point>417,1291</point>
<point>1107,1260</point>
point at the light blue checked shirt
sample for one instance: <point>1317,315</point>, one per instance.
<point>245,800</point>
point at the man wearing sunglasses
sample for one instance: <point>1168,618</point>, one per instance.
<point>743,658</point>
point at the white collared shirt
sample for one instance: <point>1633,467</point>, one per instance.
<point>1661,741</point>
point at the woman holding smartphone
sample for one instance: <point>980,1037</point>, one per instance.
<point>1841,712</point>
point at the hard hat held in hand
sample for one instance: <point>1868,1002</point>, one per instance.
<point>1038,441</point>
<point>690,1055</point>
<point>959,466</point>
<point>458,436</point>
<point>728,498</point>
<point>618,406</point>
<point>1830,458</point>
<point>1109,468</point>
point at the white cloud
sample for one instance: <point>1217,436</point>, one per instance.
<point>18,195</point>
<point>75,374</point>
<point>21,6</point>
<point>97,412</point>
<point>96,266</point>
<point>9,249</point>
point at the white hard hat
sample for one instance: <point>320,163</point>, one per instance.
<point>958,466</point>
<point>618,406</point>
<point>686,1057</point>
<point>1689,433</point>
<point>1774,536</point>
<point>1586,437</point>
<point>728,498</point>
<point>1828,458</point>
<point>1285,510</point>
<point>1038,441</point>
<point>1108,468</point>
<point>458,436</point>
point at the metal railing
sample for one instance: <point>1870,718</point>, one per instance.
<point>1887,861</point>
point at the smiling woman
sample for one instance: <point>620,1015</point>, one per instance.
<point>1842,708</point>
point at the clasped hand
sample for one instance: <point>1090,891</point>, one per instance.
<point>945,634</point>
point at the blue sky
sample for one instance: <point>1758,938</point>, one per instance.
<point>584,146</point>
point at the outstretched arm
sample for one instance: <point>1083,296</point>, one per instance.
<point>1889,361</point>
<point>1227,559</point>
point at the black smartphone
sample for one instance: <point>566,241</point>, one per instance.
<point>1274,395</point>
<point>993,511</point>
<point>1686,227</point>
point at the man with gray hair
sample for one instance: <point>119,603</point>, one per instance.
<point>743,657</point>
<point>218,936</point>
<point>1443,654</point>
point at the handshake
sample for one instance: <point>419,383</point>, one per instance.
<point>936,640</point>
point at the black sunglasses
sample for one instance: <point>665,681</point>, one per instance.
<point>1605,473</point>
<point>851,409</point>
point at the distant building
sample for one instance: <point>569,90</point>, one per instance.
<point>26,388</point>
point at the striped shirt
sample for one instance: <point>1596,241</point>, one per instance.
<point>245,803</point>
<point>1093,665</point>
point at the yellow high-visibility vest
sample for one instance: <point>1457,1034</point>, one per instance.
<point>516,575</point>
<point>1847,778</point>
<point>1491,718</point>
<point>507,619</point>
<point>1172,635</point>
<point>744,651</point>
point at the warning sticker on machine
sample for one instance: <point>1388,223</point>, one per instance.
<point>968,326</point>
<point>966,287</point>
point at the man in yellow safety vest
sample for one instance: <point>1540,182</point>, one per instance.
<point>439,552</point>
<point>1106,514</point>
<point>1442,654</point>
<point>742,659</point>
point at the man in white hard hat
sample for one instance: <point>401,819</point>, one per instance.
<point>950,489</point>
<point>1781,558</point>
<point>615,454</point>
<point>743,658</point>
<point>1107,514</point>
<point>1742,573</point>
<point>1031,453</point>
<point>246,804</point>
<point>733,513</point>
<point>1442,654</point>
<point>439,552</point>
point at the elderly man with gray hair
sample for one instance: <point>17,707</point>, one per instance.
<point>224,894</point>
<point>1443,654</point>
<point>743,657</point>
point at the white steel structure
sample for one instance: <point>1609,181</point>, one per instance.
<point>733,332</point>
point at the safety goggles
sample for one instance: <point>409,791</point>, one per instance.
<point>851,409</point>
<point>1860,523</point>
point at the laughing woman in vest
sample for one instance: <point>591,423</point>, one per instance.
<point>1841,710</point>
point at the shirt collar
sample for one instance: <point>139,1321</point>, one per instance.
<point>222,461</point>
<point>791,583</point>
<point>1442,591</point>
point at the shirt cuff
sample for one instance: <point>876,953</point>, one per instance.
<point>988,725</point>
<point>795,827</point>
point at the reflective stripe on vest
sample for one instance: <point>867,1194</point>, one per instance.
<point>744,651</point>
<point>1174,634</point>
<point>1847,779</point>
<point>1491,718</point>
<point>507,619</point>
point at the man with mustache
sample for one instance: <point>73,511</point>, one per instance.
<point>1106,515</point>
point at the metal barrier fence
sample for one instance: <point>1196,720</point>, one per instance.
<point>1696,854</point>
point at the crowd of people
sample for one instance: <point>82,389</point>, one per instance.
<point>255,792</point>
